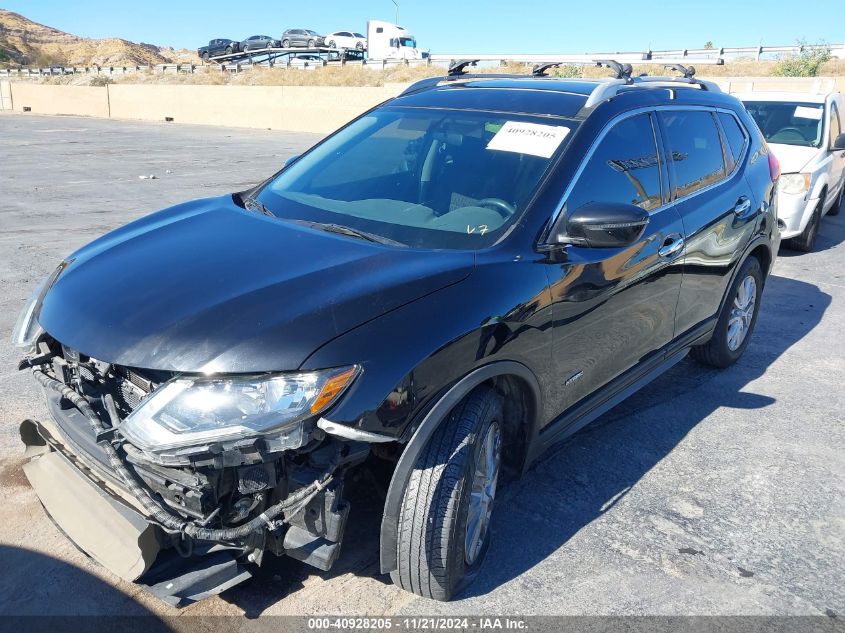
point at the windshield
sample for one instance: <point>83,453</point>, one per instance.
<point>410,42</point>
<point>424,178</point>
<point>788,123</point>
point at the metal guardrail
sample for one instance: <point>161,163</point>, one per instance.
<point>271,58</point>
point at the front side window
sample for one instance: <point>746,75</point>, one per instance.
<point>835,124</point>
<point>624,168</point>
<point>424,178</point>
<point>789,123</point>
<point>694,150</point>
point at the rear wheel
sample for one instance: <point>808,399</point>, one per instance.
<point>285,43</point>
<point>444,523</point>
<point>310,43</point>
<point>807,240</point>
<point>737,319</point>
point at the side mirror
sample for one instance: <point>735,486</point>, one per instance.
<point>839,142</point>
<point>291,160</point>
<point>605,225</point>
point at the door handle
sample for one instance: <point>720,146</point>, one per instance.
<point>742,207</point>
<point>672,245</point>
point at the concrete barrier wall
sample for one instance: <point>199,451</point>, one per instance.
<point>297,108</point>
<point>5,95</point>
<point>48,99</point>
<point>318,109</point>
<point>781,84</point>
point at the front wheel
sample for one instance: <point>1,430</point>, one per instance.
<point>737,319</point>
<point>444,523</point>
<point>285,43</point>
<point>310,43</point>
<point>806,242</point>
<point>834,210</point>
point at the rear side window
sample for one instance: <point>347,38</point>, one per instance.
<point>733,134</point>
<point>624,168</point>
<point>695,151</point>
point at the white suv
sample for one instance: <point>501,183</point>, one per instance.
<point>805,133</point>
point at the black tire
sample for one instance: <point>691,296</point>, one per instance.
<point>229,50</point>
<point>717,351</point>
<point>205,56</point>
<point>806,242</point>
<point>834,210</point>
<point>285,43</point>
<point>432,559</point>
<point>332,44</point>
<point>359,46</point>
<point>310,43</point>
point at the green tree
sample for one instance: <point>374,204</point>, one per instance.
<point>807,63</point>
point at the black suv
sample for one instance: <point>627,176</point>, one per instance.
<point>449,284</point>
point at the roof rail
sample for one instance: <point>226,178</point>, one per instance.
<point>430,82</point>
<point>605,90</point>
<point>621,71</point>
<point>457,67</point>
<point>539,70</point>
<point>610,89</point>
<point>686,71</point>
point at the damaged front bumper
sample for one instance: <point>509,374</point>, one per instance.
<point>91,504</point>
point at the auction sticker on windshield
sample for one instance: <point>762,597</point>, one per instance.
<point>804,112</point>
<point>528,138</point>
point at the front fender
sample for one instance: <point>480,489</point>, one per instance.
<point>821,184</point>
<point>411,355</point>
<point>421,436</point>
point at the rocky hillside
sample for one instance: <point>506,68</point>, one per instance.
<point>24,42</point>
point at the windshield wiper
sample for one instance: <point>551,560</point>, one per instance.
<point>340,229</point>
<point>252,204</point>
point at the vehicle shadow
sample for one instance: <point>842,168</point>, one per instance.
<point>577,482</point>
<point>43,593</point>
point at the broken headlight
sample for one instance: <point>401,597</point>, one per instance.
<point>200,410</point>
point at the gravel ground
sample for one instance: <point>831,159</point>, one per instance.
<point>712,493</point>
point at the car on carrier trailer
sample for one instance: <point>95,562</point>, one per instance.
<point>451,283</point>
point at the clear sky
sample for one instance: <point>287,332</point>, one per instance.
<point>455,26</point>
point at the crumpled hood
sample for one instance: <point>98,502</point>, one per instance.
<point>206,286</point>
<point>792,158</point>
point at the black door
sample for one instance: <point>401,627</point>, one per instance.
<point>715,202</point>
<point>614,308</point>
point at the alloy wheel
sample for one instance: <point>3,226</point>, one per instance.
<point>482,493</point>
<point>742,312</point>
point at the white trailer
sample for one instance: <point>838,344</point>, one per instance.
<point>391,41</point>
